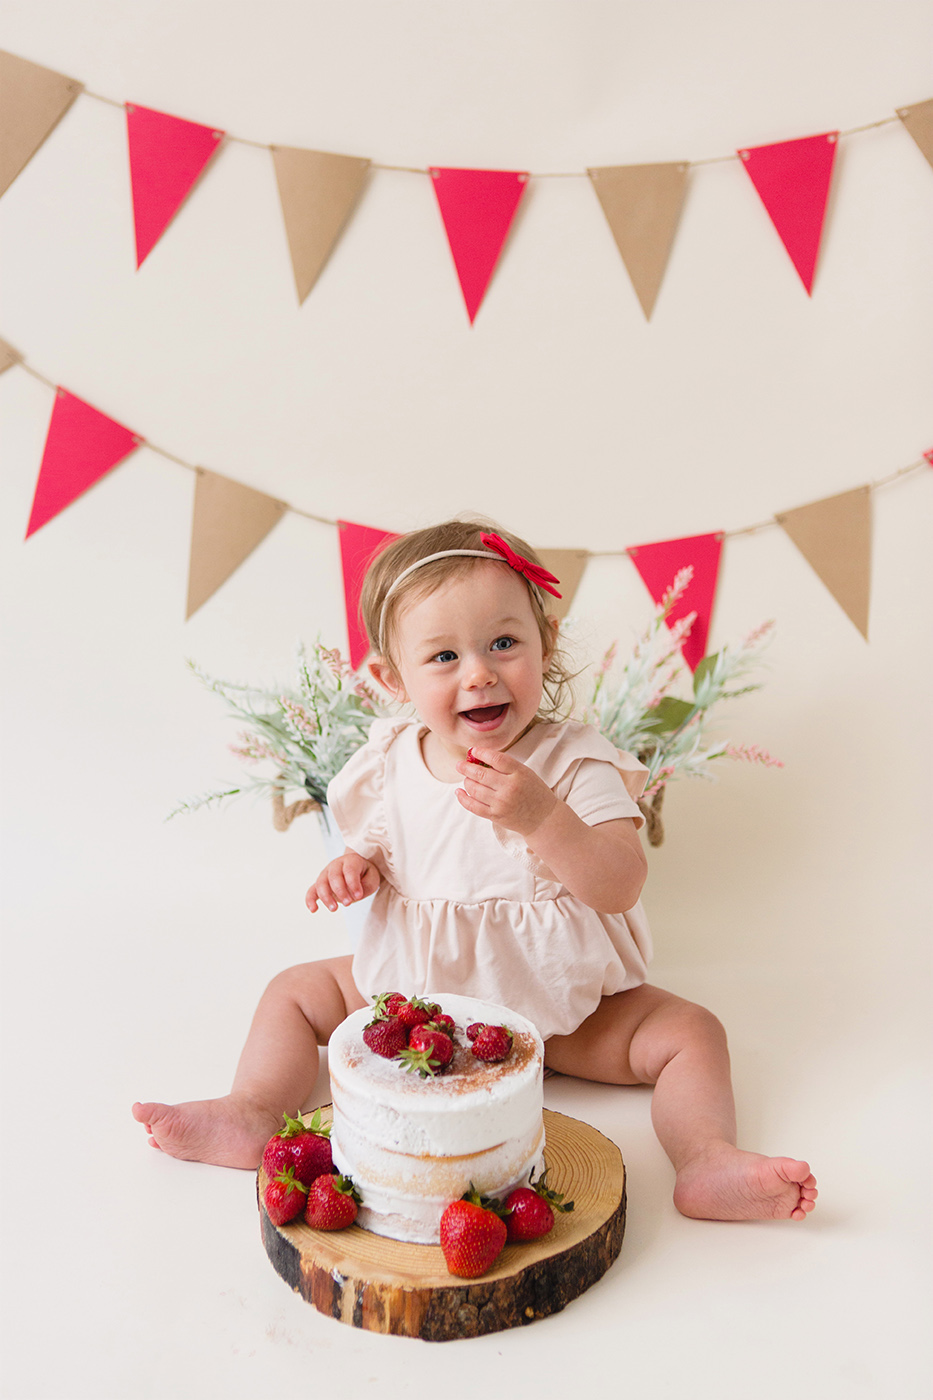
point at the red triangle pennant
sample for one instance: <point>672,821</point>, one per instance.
<point>658,563</point>
<point>477,207</point>
<point>793,178</point>
<point>167,154</point>
<point>82,444</point>
<point>359,545</point>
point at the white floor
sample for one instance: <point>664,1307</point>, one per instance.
<point>131,1276</point>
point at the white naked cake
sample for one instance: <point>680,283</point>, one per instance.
<point>413,1144</point>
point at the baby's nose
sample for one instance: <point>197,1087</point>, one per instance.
<point>477,674</point>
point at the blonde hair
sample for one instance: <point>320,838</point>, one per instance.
<point>380,612</point>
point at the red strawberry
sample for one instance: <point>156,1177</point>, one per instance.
<point>387,1038</point>
<point>492,1044</point>
<point>531,1209</point>
<point>436,1041</point>
<point>284,1197</point>
<point>307,1149</point>
<point>472,1235</point>
<point>387,1004</point>
<point>444,1022</point>
<point>474,1030</point>
<point>332,1203</point>
<point>416,1012</point>
<point>471,755</point>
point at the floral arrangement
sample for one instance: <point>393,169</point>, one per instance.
<point>304,736</point>
<point>665,731</point>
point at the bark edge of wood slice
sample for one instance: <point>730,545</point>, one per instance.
<point>388,1286</point>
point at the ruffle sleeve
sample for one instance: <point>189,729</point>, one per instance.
<point>583,769</point>
<point>356,796</point>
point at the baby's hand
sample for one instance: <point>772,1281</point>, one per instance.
<point>344,880</point>
<point>503,790</point>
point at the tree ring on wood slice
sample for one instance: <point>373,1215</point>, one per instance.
<point>384,1285</point>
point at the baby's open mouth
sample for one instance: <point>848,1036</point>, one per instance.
<point>484,714</point>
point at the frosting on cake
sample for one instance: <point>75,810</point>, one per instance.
<point>412,1145</point>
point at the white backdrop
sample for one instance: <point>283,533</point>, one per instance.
<point>791,901</point>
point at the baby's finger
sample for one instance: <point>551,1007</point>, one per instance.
<point>480,809</point>
<point>355,883</point>
<point>492,758</point>
<point>311,899</point>
<point>371,881</point>
<point>338,886</point>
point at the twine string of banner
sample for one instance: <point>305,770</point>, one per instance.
<point>888,480</point>
<point>533,175</point>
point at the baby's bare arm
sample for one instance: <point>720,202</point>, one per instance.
<point>345,880</point>
<point>602,865</point>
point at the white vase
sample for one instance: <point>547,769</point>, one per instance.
<point>354,915</point>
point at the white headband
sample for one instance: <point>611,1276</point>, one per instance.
<point>429,559</point>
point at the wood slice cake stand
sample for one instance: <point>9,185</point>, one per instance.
<point>385,1285</point>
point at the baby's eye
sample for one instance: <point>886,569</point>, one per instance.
<point>446,656</point>
<point>503,643</point>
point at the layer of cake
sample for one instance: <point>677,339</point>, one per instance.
<point>405,1196</point>
<point>413,1145</point>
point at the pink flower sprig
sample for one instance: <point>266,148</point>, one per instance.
<point>332,658</point>
<point>753,753</point>
<point>660,780</point>
<point>758,634</point>
<point>304,723</point>
<point>677,589</point>
<point>253,750</point>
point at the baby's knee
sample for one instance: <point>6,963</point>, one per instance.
<point>302,984</point>
<point>697,1026</point>
<point>317,989</point>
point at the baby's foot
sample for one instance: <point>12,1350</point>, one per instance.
<point>228,1132</point>
<point>725,1183</point>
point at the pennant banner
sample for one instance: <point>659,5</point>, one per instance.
<point>834,536</point>
<point>167,154</point>
<point>919,122</point>
<point>359,545</point>
<point>477,207</point>
<point>658,563</point>
<point>319,192</point>
<point>32,102</point>
<point>642,204</point>
<point>82,445</point>
<point>792,179</point>
<point>228,522</point>
<point>566,565</point>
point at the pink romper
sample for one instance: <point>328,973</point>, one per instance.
<point>464,906</point>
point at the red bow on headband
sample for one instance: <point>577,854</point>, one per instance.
<point>533,572</point>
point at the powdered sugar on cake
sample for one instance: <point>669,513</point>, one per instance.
<point>412,1145</point>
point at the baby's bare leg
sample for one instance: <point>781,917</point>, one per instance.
<point>648,1036</point>
<point>298,1011</point>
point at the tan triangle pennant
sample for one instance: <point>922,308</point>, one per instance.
<point>834,536</point>
<point>567,565</point>
<point>642,204</point>
<point>8,356</point>
<point>229,521</point>
<point>32,102</point>
<point>319,192</point>
<point>918,120</point>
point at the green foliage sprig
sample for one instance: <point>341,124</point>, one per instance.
<point>303,735</point>
<point>639,711</point>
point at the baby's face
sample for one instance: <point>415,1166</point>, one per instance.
<point>471,659</point>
